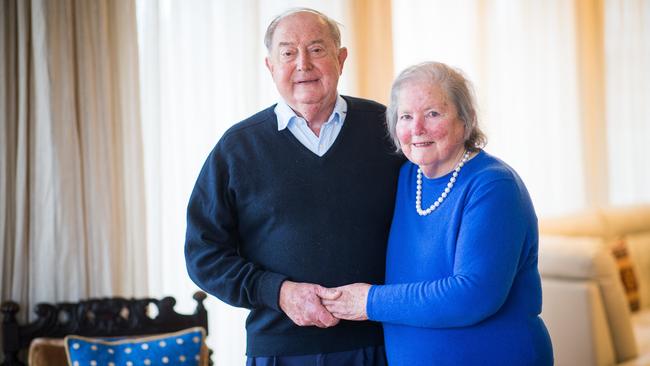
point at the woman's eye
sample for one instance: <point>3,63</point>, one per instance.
<point>405,117</point>
<point>433,114</point>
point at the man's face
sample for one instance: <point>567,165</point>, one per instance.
<point>304,61</point>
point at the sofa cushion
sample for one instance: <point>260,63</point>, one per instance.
<point>639,246</point>
<point>572,257</point>
<point>47,352</point>
<point>626,220</point>
<point>588,223</point>
<point>641,325</point>
<point>574,314</point>
<point>626,272</point>
<point>632,223</point>
<point>584,258</point>
<point>183,347</point>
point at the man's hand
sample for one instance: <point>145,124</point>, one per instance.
<point>351,303</point>
<point>302,304</point>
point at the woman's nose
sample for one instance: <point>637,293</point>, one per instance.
<point>418,126</point>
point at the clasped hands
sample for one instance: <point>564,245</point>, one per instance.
<point>310,304</point>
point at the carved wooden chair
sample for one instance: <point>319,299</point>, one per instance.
<point>105,317</point>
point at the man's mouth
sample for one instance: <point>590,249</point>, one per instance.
<point>306,81</point>
<point>422,144</point>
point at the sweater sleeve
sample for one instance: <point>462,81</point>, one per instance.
<point>212,241</point>
<point>488,251</point>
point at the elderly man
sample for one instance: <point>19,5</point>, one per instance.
<point>294,199</point>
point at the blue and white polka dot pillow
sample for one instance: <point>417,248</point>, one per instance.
<point>169,349</point>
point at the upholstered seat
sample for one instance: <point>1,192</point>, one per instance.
<point>586,307</point>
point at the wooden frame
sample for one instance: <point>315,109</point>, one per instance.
<point>105,317</point>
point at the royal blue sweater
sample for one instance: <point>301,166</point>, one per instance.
<point>462,285</point>
<point>266,209</point>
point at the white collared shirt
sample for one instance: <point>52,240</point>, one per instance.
<point>319,145</point>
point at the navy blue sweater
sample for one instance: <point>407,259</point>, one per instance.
<point>266,209</point>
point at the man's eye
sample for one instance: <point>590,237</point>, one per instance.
<point>317,52</point>
<point>405,117</point>
<point>287,53</point>
<point>433,114</point>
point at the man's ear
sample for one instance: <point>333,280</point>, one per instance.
<point>268,64</point>
<point>343,55</point>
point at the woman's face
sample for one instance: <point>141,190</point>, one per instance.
<point>428,128</point>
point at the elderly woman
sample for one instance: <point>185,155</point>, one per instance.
<point>462,285</point>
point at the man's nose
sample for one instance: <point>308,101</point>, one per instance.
<point>303,61</point>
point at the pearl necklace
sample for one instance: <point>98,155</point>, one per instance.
<point>443,195</point>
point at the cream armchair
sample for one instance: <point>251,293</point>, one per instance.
<point>585,305</point>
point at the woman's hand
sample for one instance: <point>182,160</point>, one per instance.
<point>351,305</point>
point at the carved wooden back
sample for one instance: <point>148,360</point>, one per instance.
<point>105,317</point>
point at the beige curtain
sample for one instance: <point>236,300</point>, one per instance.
<point>539,73</point>
<point>627,65</point>
<point>589,18</point>
<point>370,23</point>
<point>562,85</point>
<point>71,175</point>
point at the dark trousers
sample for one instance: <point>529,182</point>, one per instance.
<point>369,356</point>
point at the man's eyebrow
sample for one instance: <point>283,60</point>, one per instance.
<point>317,41</point>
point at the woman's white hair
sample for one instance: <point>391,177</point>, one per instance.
<point>458,90</point>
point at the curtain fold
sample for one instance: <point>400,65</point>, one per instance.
<point>627,56</point>
<point>13,170</point>
<point>591,81</point>
<point>72,181</point>
<point>372,44</point>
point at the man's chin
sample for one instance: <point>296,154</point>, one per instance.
<point>313,97</point>
<point>308,99</point>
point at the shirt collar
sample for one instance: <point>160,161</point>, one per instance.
<point>285,114</point>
